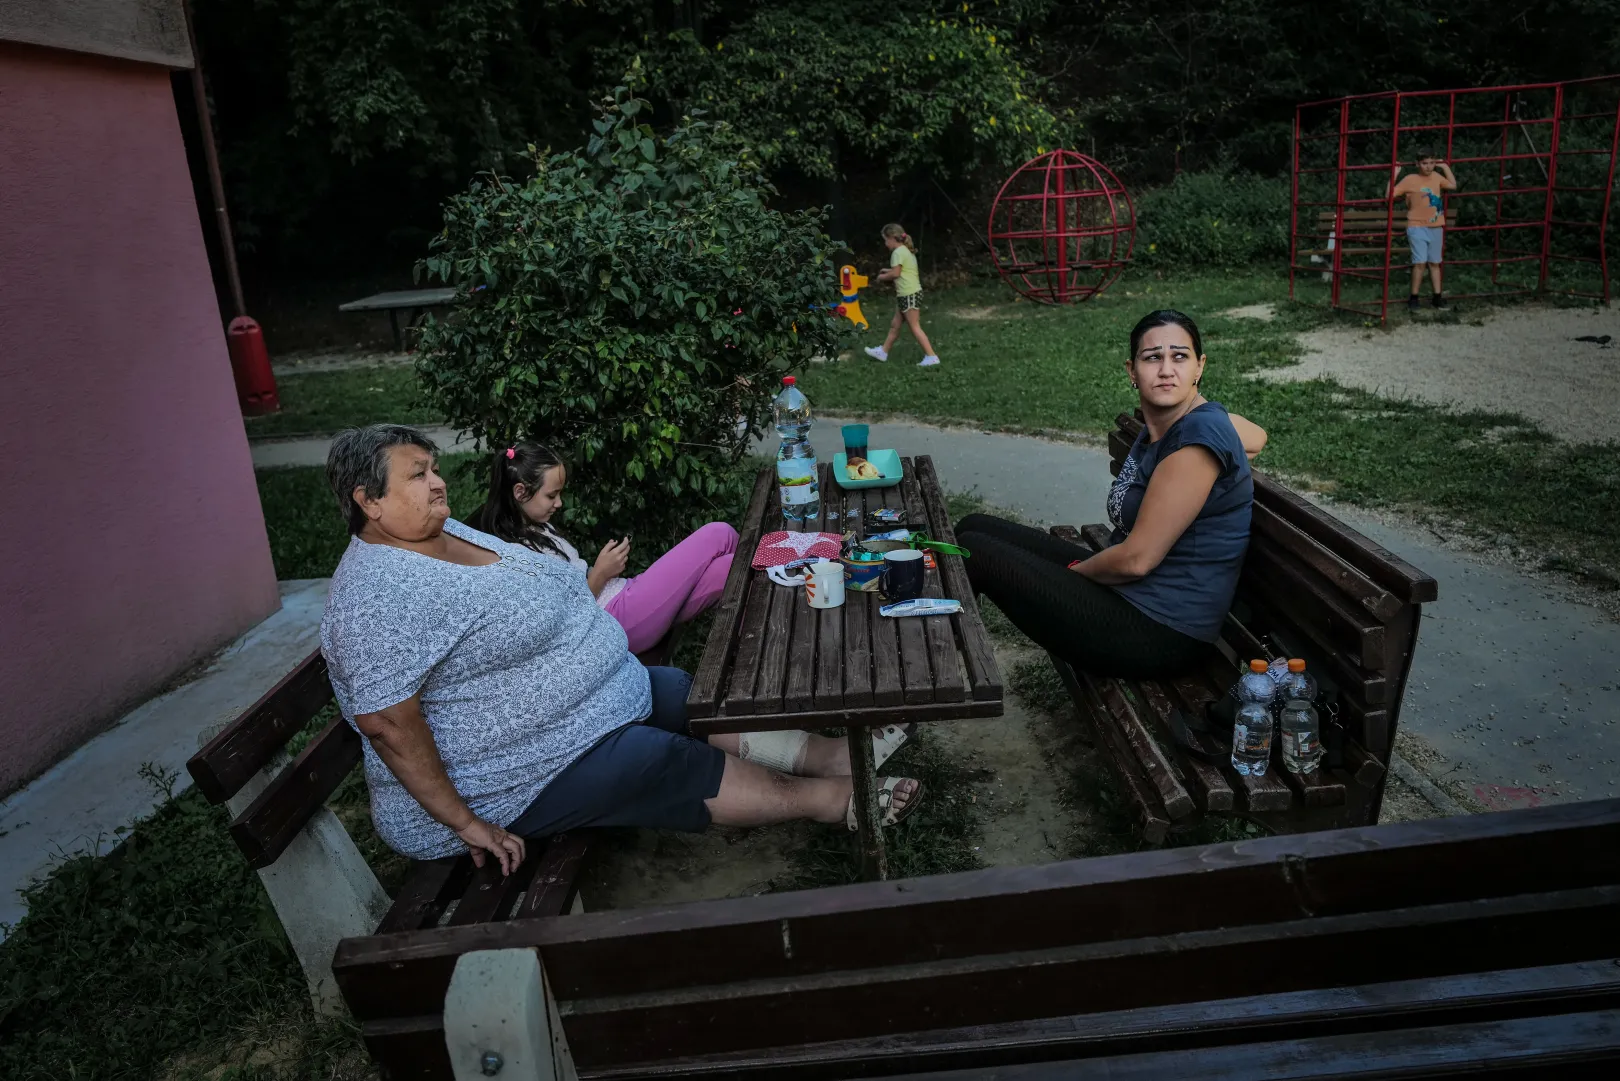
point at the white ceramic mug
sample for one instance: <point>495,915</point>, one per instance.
<point>824,585</point>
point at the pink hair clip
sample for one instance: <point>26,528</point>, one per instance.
<point>511,452</point>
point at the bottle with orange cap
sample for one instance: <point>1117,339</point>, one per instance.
<point>1253,725</point>
<point>1300,725</point>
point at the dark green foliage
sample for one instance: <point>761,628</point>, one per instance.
<point>1213,219</point>
<point>820,87</point>
<point>627,306</point>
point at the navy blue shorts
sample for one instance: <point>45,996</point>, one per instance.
<point>650,774</point>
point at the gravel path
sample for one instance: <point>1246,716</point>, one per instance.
<point>1517,360</point>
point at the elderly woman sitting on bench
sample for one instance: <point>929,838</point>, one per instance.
<point>499,702</point>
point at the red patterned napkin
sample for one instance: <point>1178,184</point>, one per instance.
<point>780,548</point>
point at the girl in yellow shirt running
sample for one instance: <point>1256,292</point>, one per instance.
<point>908,294</point>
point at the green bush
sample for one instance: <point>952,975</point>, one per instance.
<point>1213,219</point>
<point>626,306</point>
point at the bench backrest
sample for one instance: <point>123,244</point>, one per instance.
<point>848,970</point>
<point>1315,588</point>
<point>233,758</point>
<point>1366,220</point>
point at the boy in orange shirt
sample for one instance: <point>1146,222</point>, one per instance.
<point>1425,219</point>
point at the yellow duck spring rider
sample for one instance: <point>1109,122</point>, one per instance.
<point>849,301</point>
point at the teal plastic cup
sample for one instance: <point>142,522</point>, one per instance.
<point>855,436</point>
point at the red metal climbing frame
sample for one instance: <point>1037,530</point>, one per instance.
<point>1535,166</point>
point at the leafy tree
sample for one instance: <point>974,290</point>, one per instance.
<point>627,305</point>
<point>820,85</point>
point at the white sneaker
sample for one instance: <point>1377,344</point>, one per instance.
<point>877,352</point>
<point>928,362</point>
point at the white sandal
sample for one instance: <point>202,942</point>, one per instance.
<point>885,802</point>
<point>889,739</point>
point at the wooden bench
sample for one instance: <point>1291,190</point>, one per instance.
<point>321,887</point>
<point>1364,231</point>
<point>1311,587</point>
<point>414,301</point>
<point>1483,943</point>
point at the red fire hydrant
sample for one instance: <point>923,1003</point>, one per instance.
<point>250,363</point>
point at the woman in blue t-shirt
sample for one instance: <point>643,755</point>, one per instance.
<point>1149,604</point>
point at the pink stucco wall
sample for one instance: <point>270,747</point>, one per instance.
<point>131,538</point>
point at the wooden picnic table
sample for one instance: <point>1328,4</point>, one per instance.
<point>414,300</point>
<point>772,662</point>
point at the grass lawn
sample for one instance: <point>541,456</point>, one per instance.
<point>318,403</point>
<point>1019,366</point>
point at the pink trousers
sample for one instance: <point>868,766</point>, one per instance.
<point>682,583</point>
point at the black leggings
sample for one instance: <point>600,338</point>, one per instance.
<point>1025,571</point>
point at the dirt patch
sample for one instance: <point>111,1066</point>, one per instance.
<point>1021,769</point>
<point>1518,360</point>
<point>981,314</point>
<point>1263,312</point>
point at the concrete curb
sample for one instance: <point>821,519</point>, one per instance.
<point>1436,796</point>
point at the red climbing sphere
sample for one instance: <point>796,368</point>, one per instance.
<point>1062,228</point>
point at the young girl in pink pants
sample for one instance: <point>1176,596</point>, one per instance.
<point>525,490</point>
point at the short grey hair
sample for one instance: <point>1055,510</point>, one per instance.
<point>359,458</point>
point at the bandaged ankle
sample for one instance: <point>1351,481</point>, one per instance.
<point>781,751</point>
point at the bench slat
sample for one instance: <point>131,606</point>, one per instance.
<point>938,639</point>
<point>490,895</point>
<point>769,683</point>
<point>913,641</point>
<point>273,819</point>
<point>1255,1019</point>
<point>1353,681</point>
<point>703,700</point>
<point>1209,786</point>
<point>798,694</point>
<point>857,620</point>
<point>750,645</point>
<point>887,686</point>
<point>1333,570</point>
<point>1268,573</point>
<point>1138,791</point>
<point>1163,775</point>
<point>427,892</point>
<point>983,670</point>
<point>249,743</point>
<point>556,878</point>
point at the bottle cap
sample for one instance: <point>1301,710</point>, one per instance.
<point>1296,665</point>
<point>1257,666</point>
<point>788,380</point>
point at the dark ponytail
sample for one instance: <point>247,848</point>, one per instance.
<point>1165,317</point>
<point>502,515</point>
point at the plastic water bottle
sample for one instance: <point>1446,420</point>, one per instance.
<point>1301,737</point>
<point>1298,683</point>
<point>796,458</point>
<point>1251,729</point>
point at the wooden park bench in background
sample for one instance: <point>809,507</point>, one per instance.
<point>415,301</point>
<point>1483,944</point>
<point>1364,233</point>
<point>1312,587</point>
